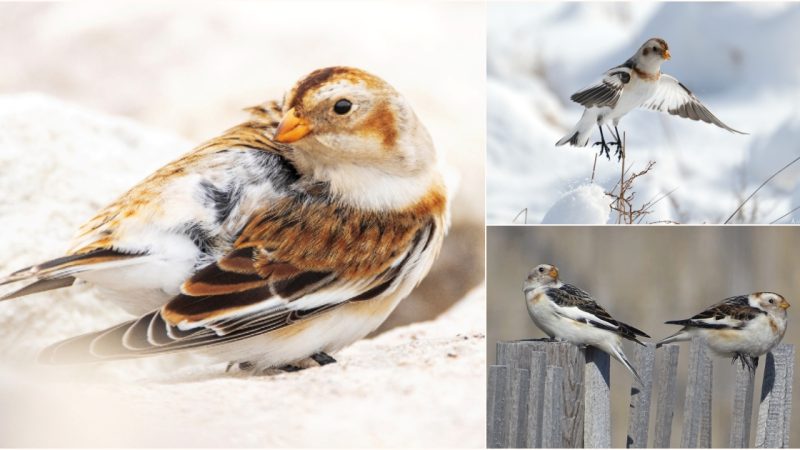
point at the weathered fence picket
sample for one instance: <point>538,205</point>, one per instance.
<point>742,402</point>
<point>544,394</point>
<point>553,408</point>
<point>597,421</point>
<point>696,408</point>
<point>666,394</point>
<point>644,358</point>
<point>775,410</point>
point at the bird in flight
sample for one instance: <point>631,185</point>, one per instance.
<point>638,82</point>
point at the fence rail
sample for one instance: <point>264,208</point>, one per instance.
<point>544,394</point>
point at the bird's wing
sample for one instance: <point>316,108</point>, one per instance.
<point>731,313</point>
<point>672,97</point>
<point>574,303</point>
<point>290,263</point>
<point>607,91</point>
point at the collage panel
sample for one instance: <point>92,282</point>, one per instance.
<point>709,135</point>
<point>242,224</point>
<point>624,290</point>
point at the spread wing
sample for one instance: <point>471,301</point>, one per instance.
<point>607,91</point>
<point>574,303</point>
<point>731,313</point>
<point>290,263</point>
<point>672,97</point>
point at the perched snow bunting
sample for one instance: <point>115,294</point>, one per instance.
<point>742,327</point>
<point>290,236</point>
<point>566,312</point>
<point>638,82</point>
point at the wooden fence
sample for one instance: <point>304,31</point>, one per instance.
<point>553,394</point>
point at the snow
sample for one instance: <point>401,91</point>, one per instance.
<point>538,56</point>
<point>586,204</point>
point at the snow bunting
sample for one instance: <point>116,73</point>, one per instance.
<point>288,237</point>
<point>638,82</point>
<point>742,327</point>
<point>566,312</point>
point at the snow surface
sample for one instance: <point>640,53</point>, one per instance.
<point>731,55</point>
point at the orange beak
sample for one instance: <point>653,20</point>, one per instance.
<point>665,55</point>
<point>553,273</point>
<point>291,128</point>
<point>784,304</point>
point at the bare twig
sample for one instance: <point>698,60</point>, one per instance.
<point>781,217</point>
<point>594,166</point>
<point>761,186</point>
<point>525,210</point>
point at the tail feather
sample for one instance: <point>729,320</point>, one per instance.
<point>58,273</point>
<point>579,135</point>
<point>39,286</point>
<point>617,353</point>
<point>681,335</point>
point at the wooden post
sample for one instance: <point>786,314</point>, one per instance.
<point>553,408</point>
<point>696,407</point>
<point>666,394</point>
<point>496,405</point>
<point>775,409</point>
<point>704,438</point>
<point>597,408</point>
<point>571,359</point>
<point>742,407</point>
<point>538,375</point>
<point>639,414</point>
<point>518,407</point>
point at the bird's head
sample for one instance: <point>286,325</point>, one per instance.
<point>344,115</point>
<point>652,54</point>
<point>769,302</point>
<point>541,275</point>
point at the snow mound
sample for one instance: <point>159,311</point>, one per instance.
<point>586,204</point>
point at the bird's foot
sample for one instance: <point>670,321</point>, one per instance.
<point>619,152</point>
<point>291,368</point>
<point>244,366</point>
<point>747,362</point>
<point>604,148</point>
<point>323,359</point>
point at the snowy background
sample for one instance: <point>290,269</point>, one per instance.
<point>95,96</point>
<point>738,58</point>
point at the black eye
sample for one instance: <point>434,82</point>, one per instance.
<point>655,49</point>
<point>541,269</point>
<point>342,107</point>
<point>772,300</point>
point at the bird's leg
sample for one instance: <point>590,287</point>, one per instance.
<point>620,148</point>
<point>323,359</point>
<point>602,143</point>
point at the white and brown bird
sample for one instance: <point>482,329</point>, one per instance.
<point>742,327</point>
<point>288,237</point>
<point>568,313</point>
<point>638,82</point>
